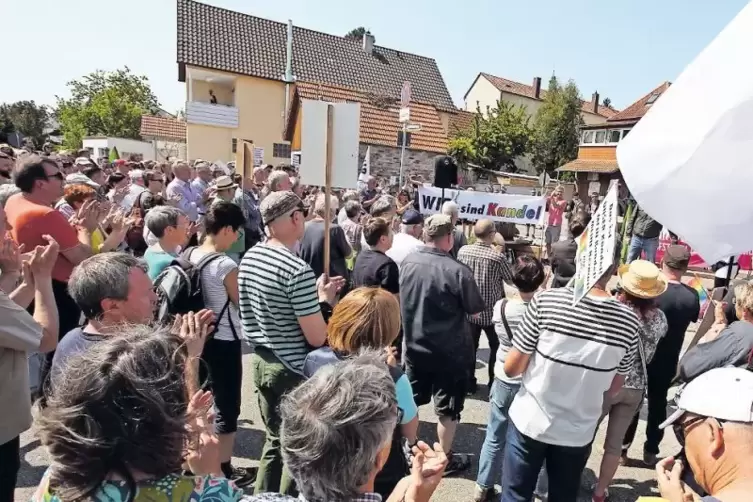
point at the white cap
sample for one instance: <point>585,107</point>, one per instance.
<point>721,393</point>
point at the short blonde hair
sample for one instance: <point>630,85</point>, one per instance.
<point>744,297</point>
<point>364,318</point>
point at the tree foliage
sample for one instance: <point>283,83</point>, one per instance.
<point>356,33</point>
<point>556,131</point>
<point>25,117</point>
<point>105,103</point>
<point>496,138</point>
<point>606,102</point>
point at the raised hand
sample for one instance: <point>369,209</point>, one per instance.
<point>203,455</point>
<point>10,255</point>
<point>194,329</point>
<point>43,258</point>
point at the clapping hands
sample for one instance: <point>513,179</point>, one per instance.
<point>193,328</point>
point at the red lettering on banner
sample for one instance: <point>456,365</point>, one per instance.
<point>491,209</point>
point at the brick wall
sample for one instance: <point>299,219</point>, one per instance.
<point>385,161</point>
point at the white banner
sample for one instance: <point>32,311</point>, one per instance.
<point>477,205</point>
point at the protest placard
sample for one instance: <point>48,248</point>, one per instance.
<point>477,205</point>
<point>596,246</point>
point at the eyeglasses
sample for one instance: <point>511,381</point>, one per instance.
<point>680,428</point>
<point>57,175</point>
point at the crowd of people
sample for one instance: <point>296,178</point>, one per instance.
<point>129,289</point>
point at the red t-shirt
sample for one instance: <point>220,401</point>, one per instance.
<point>30,221</point>
<point>556,209</point>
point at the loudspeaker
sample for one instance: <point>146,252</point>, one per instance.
<point>445,172</point>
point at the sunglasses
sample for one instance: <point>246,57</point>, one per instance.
<point>680,428</point>
<point>57,175</point>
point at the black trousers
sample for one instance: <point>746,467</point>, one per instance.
<point>491,335</point>
<point>660,375</point>
<point>10,464</point>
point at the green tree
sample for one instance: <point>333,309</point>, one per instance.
<point>105,103</point>
<point>556,130</point>
<point>496,138</point>
<point>606,102</point>
<point>25,117</point>
<point>357,33</point>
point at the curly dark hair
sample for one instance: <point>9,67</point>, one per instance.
<point>117,408</point>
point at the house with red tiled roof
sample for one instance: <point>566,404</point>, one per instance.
<point>239,85</point>
<point>596,164</point>
<point>167,134</point>
<point>486,89</point>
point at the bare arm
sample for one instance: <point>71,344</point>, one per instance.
<point>314,329</point>
<point>231,287</point>
<point>617,382</point>
<point>79,253</point>
<point>516,362</point>
<point>410,430</point>
<point>46,313</point>
<point>23,295</point>
<point>8,281</point>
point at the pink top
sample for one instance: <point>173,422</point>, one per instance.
<point>556,209</point>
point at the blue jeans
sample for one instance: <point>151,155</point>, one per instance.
<point>638,244</point>
<point>524,457</point>
<point>490,460</point>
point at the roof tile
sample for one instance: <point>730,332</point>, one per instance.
<point>513,87</point>
<point>590,166</point>
<point>221,39</point>
<point>379,116</point>
<point>638,109</point>
<point>460,122</point>
<point>163,128</point>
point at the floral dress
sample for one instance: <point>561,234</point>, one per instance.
<point>653,328</point>
<point>171,488</point>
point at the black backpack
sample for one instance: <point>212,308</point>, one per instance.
<point>179,289</point>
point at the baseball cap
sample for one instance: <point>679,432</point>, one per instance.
<point>722,393</point>
<point>277,204</point>
<point>438,225</point>
<point>677,257</point>
<point>412,217</point>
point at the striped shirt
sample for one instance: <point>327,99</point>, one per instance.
<point>276,288</point>
<point>576,352</point>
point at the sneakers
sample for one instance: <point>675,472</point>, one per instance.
<point>243,476</point>
<point>481,494</point>
<point>457,463</point>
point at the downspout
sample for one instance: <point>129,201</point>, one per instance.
<point>288,68</point>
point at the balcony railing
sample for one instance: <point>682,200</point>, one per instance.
<point>212,115</point>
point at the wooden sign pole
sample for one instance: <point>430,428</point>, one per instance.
<point>328,188</point>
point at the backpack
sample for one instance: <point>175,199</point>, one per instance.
<point>179,289</point>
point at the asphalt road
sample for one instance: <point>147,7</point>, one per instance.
<point>630,482</point>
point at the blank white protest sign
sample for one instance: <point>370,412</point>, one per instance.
<point>345,138</point>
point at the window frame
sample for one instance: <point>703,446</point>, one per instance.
<point>287,147</point>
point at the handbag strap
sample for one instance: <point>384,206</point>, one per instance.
<point>504,318</point>
<point>642,355</point>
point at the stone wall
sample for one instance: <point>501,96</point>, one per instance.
<point>385,162</point>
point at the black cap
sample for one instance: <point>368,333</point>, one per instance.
<point>412,217</point>
<point>677,257</point>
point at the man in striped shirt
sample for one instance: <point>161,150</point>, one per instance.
<point>569,357</point>
<point>283,308</point>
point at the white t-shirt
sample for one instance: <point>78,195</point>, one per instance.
<point>514,310</point>
<point>575,353</point>
<point>402,246</point>
<point>215,294</point>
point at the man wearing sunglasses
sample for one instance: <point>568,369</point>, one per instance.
<point>714,424</point>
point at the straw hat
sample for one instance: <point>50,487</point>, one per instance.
<point>642,279</point>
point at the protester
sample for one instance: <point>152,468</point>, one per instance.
<point>201,182</point>
<point>593,203</point>
<point>247,199</point>
<point>142,378</point>
<point>641,282</point>
<point>75,196</point>
<point>490,270</point>
<point>568,354</point>
<point>369,194</point>
<point>31,217</point>
<point>224,190</point>
<point>20,335</point>
<point>348,196</point>
<point>451,209</point>
<point>369,318</point>
<point>404,202</point>
<point>556,205</point>
<point>112,290</point>
<point>644,235</point>
<point>6,191</point>
<point>723,345</point>
<point>563,255</point>
<point>188,198</point>
<point>312,243</point>
<point>681,307</point>
<point>436,294</point>
<point>714,424</point>
<point>409,237</point>
<point>171,227</point>
<point>281,312</point>
<point>527,276</point>
<point>373,267</point>
<point>352,223</point>
<point>278,181</point>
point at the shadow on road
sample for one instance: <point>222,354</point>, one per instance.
<point>468,440</point>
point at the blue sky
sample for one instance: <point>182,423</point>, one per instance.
<point>622,48</point>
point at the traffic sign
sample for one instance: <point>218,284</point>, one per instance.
<point>413,127</point>
<point>404,116</point>
<point>405,95</point>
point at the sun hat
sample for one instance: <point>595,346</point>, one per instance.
<point>224,183</point>
<point>722,393</point>
<point>642,279</point>
<point>277,204</point>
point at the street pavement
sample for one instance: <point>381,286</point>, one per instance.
<point>630,482</point>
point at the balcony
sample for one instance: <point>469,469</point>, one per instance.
<point>211,114</point>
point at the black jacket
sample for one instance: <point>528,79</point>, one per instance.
<point>643,225</point>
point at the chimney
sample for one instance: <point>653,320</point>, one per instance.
<point>595,102</point>
<point>536,87</point>
<point>368,43</point>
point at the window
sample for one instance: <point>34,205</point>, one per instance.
<point>588,137</point>
<point>234,145</point>
<point>103,152</point>
<point>600,136</point>
<point>652,99</point>
<point>614,136</point>
<point>400,139</point>
<point>625,132</point>
<point>281,150</point>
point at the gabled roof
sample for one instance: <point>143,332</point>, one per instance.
<point>460,122</point>
<point>590,166</point>
<point>512,87</point>
<point>379,116</point>
<point>638,109</point>
<point>221,39</point>
<point>163,128</point>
